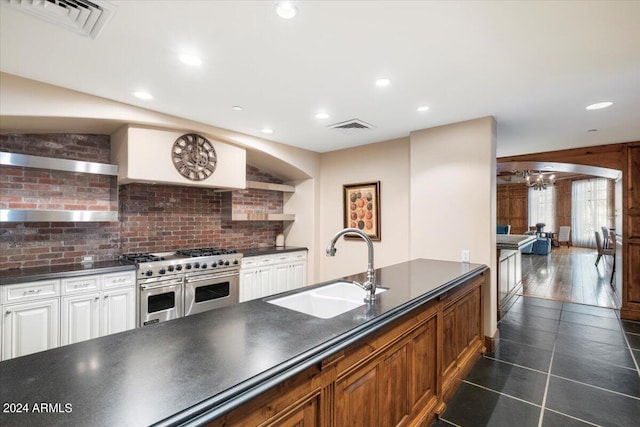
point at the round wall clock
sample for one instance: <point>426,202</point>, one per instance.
<point>194,157</point>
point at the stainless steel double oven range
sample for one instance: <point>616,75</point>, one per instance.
<point>185,282</point>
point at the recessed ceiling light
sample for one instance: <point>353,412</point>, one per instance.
<point>423,108</point>
<point>286,10</point>
<point>322,116</point>
<point>142,94</point>
<point>382,82</point>
<point>191,60</point>
<point>266,130</point>
<point>599,105</point>
<point>592,130</point>
<point>236,108</point>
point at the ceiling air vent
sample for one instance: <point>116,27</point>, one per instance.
<point>351,126</point>
<point>81,16</point>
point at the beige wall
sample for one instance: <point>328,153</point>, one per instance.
<point>453,197</point>
<point>387,162</point>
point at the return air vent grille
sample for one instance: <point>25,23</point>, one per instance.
<point>351,126</point>
<point>81,16</point>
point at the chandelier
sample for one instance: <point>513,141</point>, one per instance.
<point>537,179</point>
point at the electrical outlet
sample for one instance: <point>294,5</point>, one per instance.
<point>465,255</point>
<point>87,258</point>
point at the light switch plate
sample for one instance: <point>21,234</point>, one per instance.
<point>465,255</point>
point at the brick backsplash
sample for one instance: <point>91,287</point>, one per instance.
<point>152,218</point>
<point>88,148</point>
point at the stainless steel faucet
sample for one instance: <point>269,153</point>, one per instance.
<point>370,284</point>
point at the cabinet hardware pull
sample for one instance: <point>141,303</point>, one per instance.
<point>31,292</point>
<point>8,312</point>
<point>96,298</point>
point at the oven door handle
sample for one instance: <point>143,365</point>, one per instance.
<point>162,284</point>
<point>209,277</point>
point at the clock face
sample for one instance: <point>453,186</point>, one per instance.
<point>194,157</point>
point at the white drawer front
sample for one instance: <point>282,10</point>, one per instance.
<point>119,280</point>
<point>31,291</point>
<point>298,256</point>
<point>81,284</point>
<point>249,262</point>
<point>281,258</point>
<point>255,261</point>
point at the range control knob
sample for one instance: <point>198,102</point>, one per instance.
<point>162,271</point>
<point>170,268</point>
<point>204,265</point>
<point>149,273</point>
<point>187,266</point>
<point>235,262</point>
<point>220,262</point>
<point>179,267</point>
<point>196,265</point>
<point>226,262</point>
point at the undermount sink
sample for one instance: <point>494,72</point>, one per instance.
<point>326,301</point>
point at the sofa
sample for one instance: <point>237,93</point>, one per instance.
<point>542,246</point>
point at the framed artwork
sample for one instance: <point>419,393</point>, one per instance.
<point>362,208</point>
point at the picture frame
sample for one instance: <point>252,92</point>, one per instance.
<point>361,208</point>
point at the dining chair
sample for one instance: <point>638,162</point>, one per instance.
<point>601,249</point>
<point>605,236</point>
<point>564,233</point>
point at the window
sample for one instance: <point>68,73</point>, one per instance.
<point>590,210</point>
<point>542,207</point>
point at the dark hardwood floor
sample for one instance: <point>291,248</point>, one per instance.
<point>569,275</point>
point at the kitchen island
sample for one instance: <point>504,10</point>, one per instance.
<point>509,252</point>
<point>256,362</point>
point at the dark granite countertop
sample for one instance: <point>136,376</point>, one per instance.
<point>513,241</point>
<point>9,277</point>
<point>193,369</point>
<point>248,252</point>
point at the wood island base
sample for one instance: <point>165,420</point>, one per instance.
<point>400,375</point>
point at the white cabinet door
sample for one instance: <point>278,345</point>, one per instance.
<point>117,311</point>
<point>265,283</point>
<point>247,284</point>
<point>518,267</point>
<point>512,271</point>
<point>80,318</point>
<point>30,327</point>
<point>298,275</point>
<point>503,286</point>
<point>282,277</point>
<point>268,275</point>
<point>1,331</point>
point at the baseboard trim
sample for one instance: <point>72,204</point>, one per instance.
<point>491,343</point>
<point>629,314</point>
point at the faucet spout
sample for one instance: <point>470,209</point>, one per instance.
<point>370,284</point>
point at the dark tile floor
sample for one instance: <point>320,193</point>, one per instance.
<point>557,364</point>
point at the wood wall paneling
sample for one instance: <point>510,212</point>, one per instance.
<point>624,157</point>
<point>563,203</point>
<point>512,207</point>
<point>631,237</point>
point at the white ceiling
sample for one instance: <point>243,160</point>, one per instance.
<point>534,66</point>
